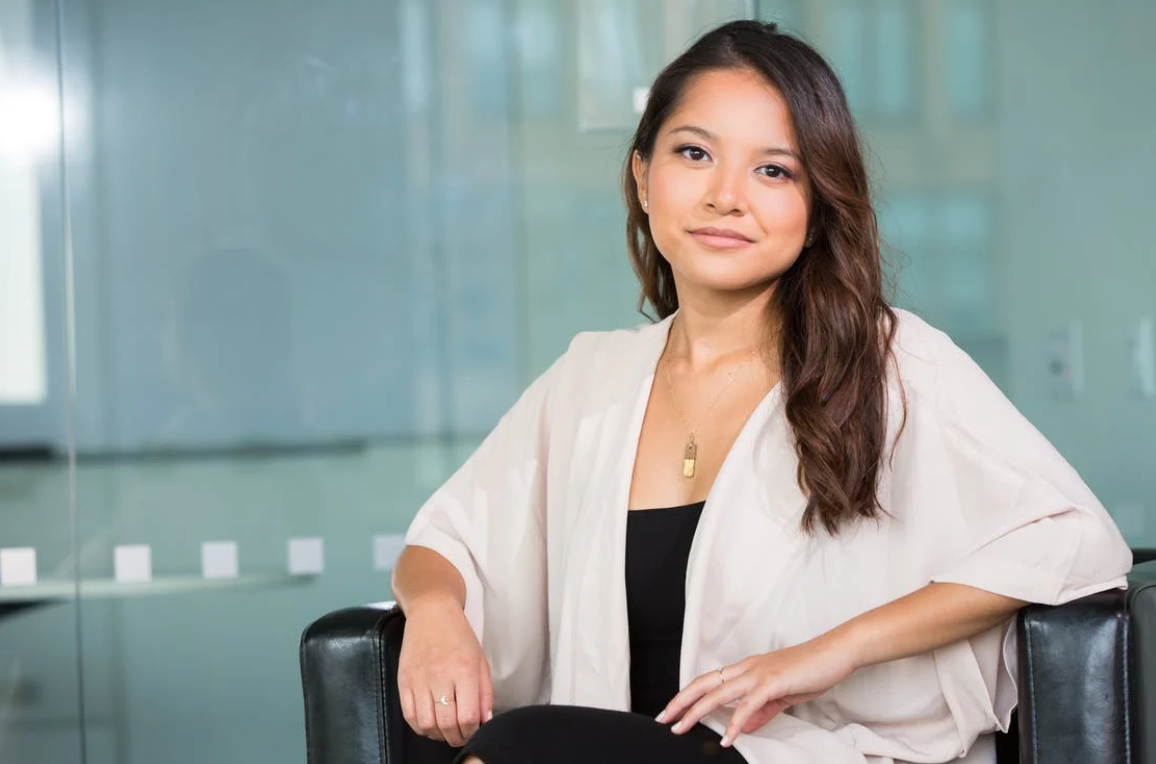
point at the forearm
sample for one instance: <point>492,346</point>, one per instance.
<point>925,620</point>
<point>422,576</point>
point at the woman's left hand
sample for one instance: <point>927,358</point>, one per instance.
<point>763,685</point>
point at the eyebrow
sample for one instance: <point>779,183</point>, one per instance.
<point>708,135</point>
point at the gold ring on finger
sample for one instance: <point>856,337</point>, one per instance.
<point>721,677</point>
<point>444,700</point>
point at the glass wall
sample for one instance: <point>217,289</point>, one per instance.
<point>41,718</point>
<point>269,269</point>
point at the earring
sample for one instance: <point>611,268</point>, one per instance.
<point>810,240</point>
<point>645,204</point>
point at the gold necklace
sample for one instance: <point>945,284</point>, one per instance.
<point>690,453</point>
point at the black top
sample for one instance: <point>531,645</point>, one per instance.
<point>657,548</point>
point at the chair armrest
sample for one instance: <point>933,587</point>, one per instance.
<point>349,676</point>
<point>1074,681</point>
<point>1087,677</point>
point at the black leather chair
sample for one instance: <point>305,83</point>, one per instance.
<point>1087,683</point>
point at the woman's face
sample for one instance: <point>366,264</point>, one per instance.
<point>725,188</point>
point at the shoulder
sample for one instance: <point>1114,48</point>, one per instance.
<point>601,368</point>
<point>614,342</point>
<point>620,352</point>
<point>920,350</point>
<point>937,376</point>
<point>948,394</point>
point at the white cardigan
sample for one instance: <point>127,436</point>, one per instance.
<point>535,522</point>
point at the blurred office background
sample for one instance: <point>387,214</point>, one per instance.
<point>270,268</point>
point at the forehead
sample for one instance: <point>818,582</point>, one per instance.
<point>739,106</point>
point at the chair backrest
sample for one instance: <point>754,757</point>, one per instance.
<point>1142,613</point>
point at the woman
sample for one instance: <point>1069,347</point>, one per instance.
<point>784,496</point>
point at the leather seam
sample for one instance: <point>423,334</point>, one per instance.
<point>1032,693</point>
<point>304,673</point>
<point>379,655</point>
<point>1126,639</point>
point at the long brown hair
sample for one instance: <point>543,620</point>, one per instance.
<point>835,326</point>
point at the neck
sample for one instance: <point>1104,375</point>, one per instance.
<point>705,334</point>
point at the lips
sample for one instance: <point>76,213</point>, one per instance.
<point>720,238</point>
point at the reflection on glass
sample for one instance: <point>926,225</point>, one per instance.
<point>790,15</point>
<point>943,244</point>
<point>23,373</point>
<point>846,27</point>
<point>28,116</point>
<point>905,226</point>
<point>875,47</point>
<point>617,54</point>
<point>622,44</point>
<point>540,46</point>
<point>28,131</point>
<point>968,56</point>
<point>896,57</point>
<point>965,230</point>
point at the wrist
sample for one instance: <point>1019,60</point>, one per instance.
<point>848,642</point>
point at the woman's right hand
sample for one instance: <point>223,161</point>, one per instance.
<point>442,658</point>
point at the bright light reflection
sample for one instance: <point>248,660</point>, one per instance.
<point>29,121</point>
<point>28,132</point>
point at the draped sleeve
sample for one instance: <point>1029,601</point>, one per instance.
<point>998,508</point>
<point>489,521</point>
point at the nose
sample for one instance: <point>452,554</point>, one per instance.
<point>726,194</point>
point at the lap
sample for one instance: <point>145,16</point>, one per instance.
<point>565,734</point>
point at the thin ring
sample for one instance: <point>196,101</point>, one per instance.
<point>721,676</point>
<point>444,700</point>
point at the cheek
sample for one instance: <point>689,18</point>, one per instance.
<point>783,214</point>
<point>674,199</point>
<point>674,192</point>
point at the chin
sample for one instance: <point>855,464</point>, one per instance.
<point>733,276</point>
<point>729,282</point>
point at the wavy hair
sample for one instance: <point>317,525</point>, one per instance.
<point>835,326</point>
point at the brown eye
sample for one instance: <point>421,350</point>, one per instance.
<point>775,172</point>
<point>693,153</point>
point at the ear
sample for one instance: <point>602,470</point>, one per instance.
<point>639,167</point>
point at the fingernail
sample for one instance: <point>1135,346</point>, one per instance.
<point>489,715</point>
<point>661,718</point>
<point>726,741</point>
<point>679,727</point>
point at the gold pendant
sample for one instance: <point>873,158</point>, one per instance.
<point>689,457</point>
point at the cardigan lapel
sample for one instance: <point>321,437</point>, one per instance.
<point>594,621</point>
<point>748,537</point>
